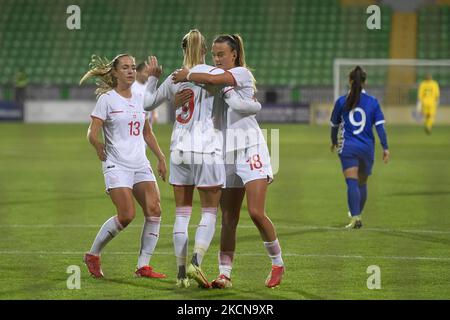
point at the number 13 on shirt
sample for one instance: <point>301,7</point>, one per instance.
<point>134,128</point>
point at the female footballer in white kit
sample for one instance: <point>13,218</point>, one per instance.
<point>119,113</point>
<point>247,159</point>
<point>196,156</point>
<point>191,142</point>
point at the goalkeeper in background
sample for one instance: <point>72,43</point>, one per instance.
<point>428,100</point>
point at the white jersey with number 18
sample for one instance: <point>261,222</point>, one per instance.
<point>242,129</point>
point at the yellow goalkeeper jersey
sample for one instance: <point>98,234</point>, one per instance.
<point>428,92</point>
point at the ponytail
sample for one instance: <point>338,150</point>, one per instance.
<point>236,44</point>
<point>240,59</point>
<point>101,68</point>
<point>194,47</point>
<point>357,78</point>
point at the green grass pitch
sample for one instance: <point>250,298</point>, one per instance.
<point>52,203</point>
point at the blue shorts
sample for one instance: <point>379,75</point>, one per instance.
<point>361,160</point>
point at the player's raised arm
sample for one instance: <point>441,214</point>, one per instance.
<point>154,97</point>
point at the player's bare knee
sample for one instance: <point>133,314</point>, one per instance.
<point>126,216</point>
<point>256,216</point>
<point>125,221</point>
<point>153,209</point>
<point>230,222</point>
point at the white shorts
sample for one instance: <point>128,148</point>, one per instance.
<point>119,178</point>
<point>252,163</point>
<point>196,169</point>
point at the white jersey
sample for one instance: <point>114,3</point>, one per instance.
<point>123,125</point>
<point>242,130</point>
<point>138,87</point>
<point>193,129</point>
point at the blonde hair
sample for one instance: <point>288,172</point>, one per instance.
<point>194,47</point>
<point>101,69</point>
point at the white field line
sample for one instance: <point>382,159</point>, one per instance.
<point>278,226</point>
<point>327,256</point>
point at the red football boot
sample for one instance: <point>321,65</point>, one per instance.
<point>222,282</point>
<point>148,272</point>
<point>275,276</point>
<point>93,264</point>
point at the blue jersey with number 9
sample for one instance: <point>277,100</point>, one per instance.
<point>356,125</point>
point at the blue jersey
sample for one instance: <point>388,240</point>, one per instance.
<point>356,125</point>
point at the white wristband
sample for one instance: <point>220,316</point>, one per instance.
<point>188,76</point>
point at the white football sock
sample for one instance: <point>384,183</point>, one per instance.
<point>108,231</point>
<point>274,251</point>
<point>205,233</point>
<point>149,238</point>
<point>180,234</point>
<point>226,263</point>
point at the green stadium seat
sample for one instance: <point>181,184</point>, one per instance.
<point>299,43</point>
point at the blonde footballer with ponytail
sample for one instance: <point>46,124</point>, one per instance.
<point>194,111</point>
<point>194,47</point>
<point>101,69</point>
<point>119,114</point>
